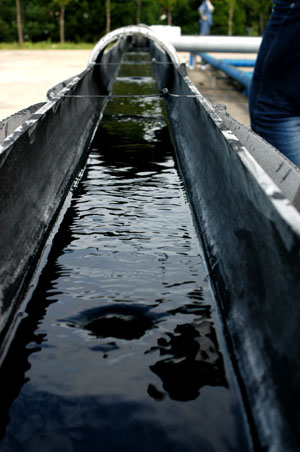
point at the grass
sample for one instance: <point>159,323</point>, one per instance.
<point>46,45</point>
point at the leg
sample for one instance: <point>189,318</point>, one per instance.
<point>274,102</point>
<point>204,28</point>
<point>283,134</point>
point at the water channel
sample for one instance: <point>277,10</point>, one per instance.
<point>119,349</point>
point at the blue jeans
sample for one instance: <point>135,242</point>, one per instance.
<point>274,98</point>
<point>204,27</point>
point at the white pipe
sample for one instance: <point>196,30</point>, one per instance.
<point>235,44</point>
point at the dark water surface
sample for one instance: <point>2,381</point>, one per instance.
<point>119,351</point>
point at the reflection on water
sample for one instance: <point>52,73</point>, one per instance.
<point>118,351</point>
<point>191,354</point>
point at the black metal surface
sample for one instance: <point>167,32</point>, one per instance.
<point>253,256</point>
<point>37,166</point>
<point>119,348</point>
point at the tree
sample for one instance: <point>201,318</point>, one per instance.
<point>19,23</point>
<point>167,7</point>
<point>138,11</point>
<point>123,12</point>
<point>62,4</point>
<point>263,12</point>
<point>220,17</point>
<point>88,20</point>
<point>186,15</point>
<point>230,16</point>
<point>108,18</point>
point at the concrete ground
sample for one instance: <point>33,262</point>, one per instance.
<point>220,89</point>
<point>26,76</point>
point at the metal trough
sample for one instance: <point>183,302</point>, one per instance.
<point>245,198</point>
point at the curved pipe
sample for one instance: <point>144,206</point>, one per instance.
<point>123,32</point>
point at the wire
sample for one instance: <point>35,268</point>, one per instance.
<point>106,96</point>
<point>134,63</point>
<point>164,92</point>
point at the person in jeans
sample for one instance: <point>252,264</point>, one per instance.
<point>274,98</point>
<point>206,10</point>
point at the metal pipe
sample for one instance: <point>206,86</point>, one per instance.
<point>242,77</point>
<point>234,44</point>
<point>239,63</point>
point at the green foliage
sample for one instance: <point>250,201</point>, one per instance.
<point>170,4</point>
<point>150,12</point>
<point>61,2</point>
<point>250,16</point>
<point>220,17</point>
<point>85,20</point>
<point>186,16</point>
<point>80,23</point>
<point>8,21</point>
<point>46,45</point>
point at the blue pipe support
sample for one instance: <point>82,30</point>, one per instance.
<point>191,60</point>
<point>244,78</point>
